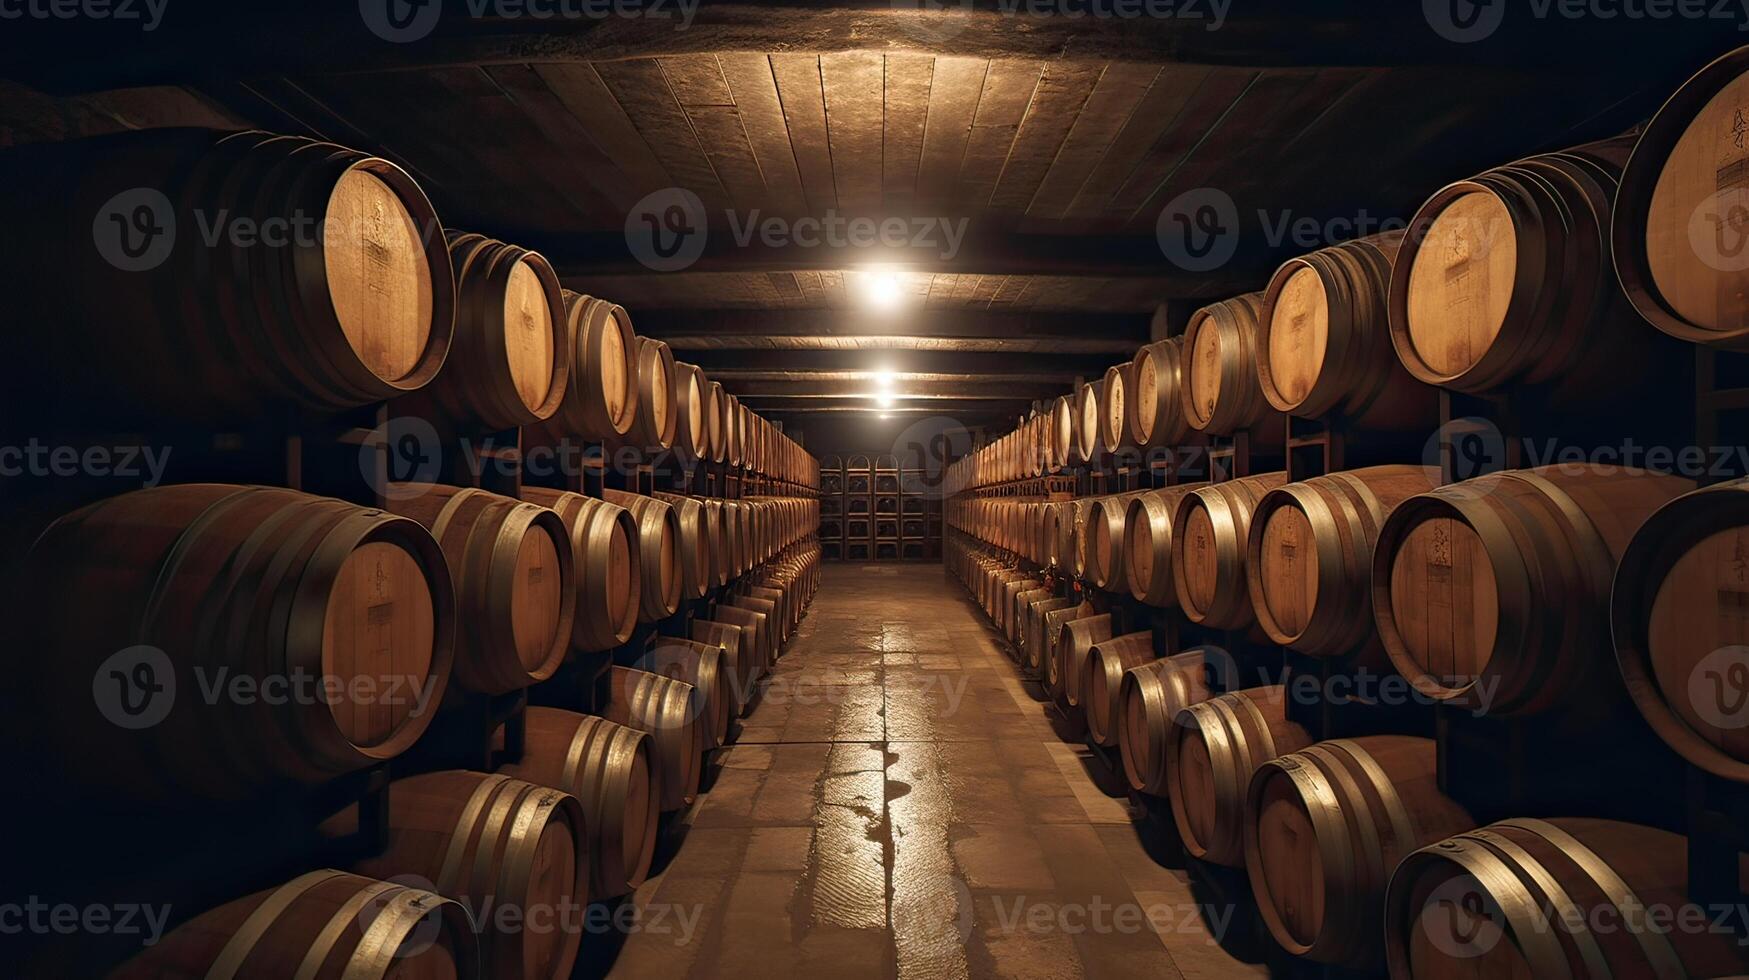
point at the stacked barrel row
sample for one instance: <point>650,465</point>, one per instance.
<point>256,641</point>
<point>1501,595</point>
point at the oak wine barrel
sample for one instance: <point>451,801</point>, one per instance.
<point>738,664</point>
<point>1148,544</point>
<point>1324,343</point>
<point>1494,593</point>
<point>1104,563</point>
<point>324,923</point>
<point>1210,530</point>
<point>1506,279</point>
<point>756,642</point>
<point>1149,699</point>
<point>1052,632</point>
<point>1076,645</point>
<point>714,409</point>
<point>1215,748</point>
<point>695,544</point>
<point>515,583</point>
<point>1558,898</point>
<point>1015,627</point>
<point>510,363</point>
<point>1680,618</point>
<point>1219,385</point>
<point>210,582</point>
<point>604,554</point>
<point>704,666</point>
<point>1034,644</point>
<point>667,710</point>
<point>601,391</point>
<point>217,328</point>
<point>1325,827</point>
<point>610,770</point>
<point>1114,417</point>
<point>691,430</point>
<point>1087,441</point>
<point>1677,228</point>
<point>1309,556</point>
<point>658,412</point>
<point>659,553</point>
<point>509,851</point>
<point>1062,432</point>
<point>1156,402</point>
<point>1102,682</point>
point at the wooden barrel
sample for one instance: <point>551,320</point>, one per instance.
<point>601,392</point>
<point>666,709</point>
<point>1676,225</point>
<point>325,923</point>
<point>1033,641</point>
<point>1147,551</point>
<point>691,430</point>
<point>515,854</point>
<point>1148,701</point>
<point>324,592</point>
<point>510,364</point>
<point>1559,898</point>
<point>658,412</point>
<point>1114,417</point>
<point>1104,563</point>
<point>659,553</point>
<point>738,659</point>
<point>1087,441</point>
<point>1062,432</point>
<point>1210,529</point>
<point>1052,633</point>
<point>732,429</point>
<point>718,438</point>
<point>756,640</point>
<point>704,666</point>
<point>1505,279</point>
<point>783,607</point>
<point>695,544</point>
<point>364,312</point>
<point>1494,593</point>
<point>1325,826</point>
<point>515,584</point>
<point>1215,748</point>
<point>1079,638</point>
<point>1219,388</point>
<point>1324,347</point>
<point>1016,622</point>
<point>610,770</point>
<point>1678,611</point>
<point>719,532</point>
<point>1309,556</point>
<point>1102,682</point>
<point>1156,402</point>
<point>604,554</point>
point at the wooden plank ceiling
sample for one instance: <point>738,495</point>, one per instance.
<point>1054,169</point>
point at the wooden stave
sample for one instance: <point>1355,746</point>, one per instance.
<point>437,819</point>
<point>249,321</point>
<point>1230,506</point>
<point>1155,692</point>
<point>483,662</point>
<point>309,746</point>
<point>1532,869</point>
<point>591,523</point>
<point>601,764</point>
<point>1101,685</point>
<point>666,710</point>
<point>1664,538</point>
<point>1341,621</point>
<point>475,388</point>
<point>1401,770</point>
<point>659,545</point>
<point>1240,731</point>
<point>268,935</point>
<point>1362,380</point>
<point>1580,591</point>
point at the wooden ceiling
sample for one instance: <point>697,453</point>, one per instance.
<point>1051,143</point>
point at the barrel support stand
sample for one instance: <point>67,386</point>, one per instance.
<point>1718,834</point>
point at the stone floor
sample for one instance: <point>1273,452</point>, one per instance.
<point>898,805</point>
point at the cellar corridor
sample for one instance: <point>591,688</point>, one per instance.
<point>898,804</point>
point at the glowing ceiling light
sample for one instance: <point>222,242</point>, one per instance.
<point>884,289</point>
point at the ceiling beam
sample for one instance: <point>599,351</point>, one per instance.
<point>980,390</point>
<point>1055,366</point>
<point>198,39</point>
<point>903,380</point>
<point>956,331</point>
